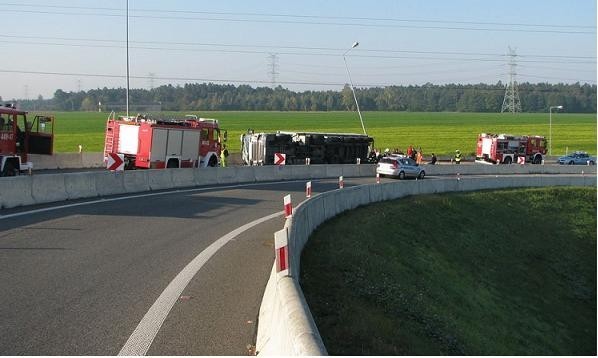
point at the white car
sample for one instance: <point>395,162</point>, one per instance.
<point>400,167</point>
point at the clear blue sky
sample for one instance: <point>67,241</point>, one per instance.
<point>72,44</point>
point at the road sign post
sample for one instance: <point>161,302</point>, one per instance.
<point>308,189</point>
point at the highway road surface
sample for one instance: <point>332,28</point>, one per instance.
<point>155,274</point>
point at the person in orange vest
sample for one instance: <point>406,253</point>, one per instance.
<point>410,151</point>
<point>418,157</point>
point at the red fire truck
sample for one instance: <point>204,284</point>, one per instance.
<point>164,143</point>
<point>20,137</point>
<point>507,149</point>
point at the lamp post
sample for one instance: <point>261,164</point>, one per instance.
<point>550,128</point>
<point>127,90</point>
<point>355,44</point>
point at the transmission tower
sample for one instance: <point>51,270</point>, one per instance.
<point>511,103</point>
<point>151,76</point>
<point>273,68</point>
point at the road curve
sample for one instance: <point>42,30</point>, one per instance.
<point>78,280</point>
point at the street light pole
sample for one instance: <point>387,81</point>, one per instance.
<point>550,128</point>
<point>127,90</point>
<point>355,44</point>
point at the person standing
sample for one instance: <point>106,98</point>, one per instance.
<point>457,156</point>
<point>434,159</point>
<point>223,156</point>
<point>418,157</point>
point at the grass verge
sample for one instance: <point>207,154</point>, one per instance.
<point>485,273</point>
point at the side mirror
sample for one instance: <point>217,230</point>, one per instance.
<point>225,136</point>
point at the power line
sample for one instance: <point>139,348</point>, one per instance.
<point>212,44</point>
<point>220,13</point>
<point>294,53</point>
<point>347,24</point>
<point>207,80</point>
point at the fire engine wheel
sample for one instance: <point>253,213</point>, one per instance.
<point>9,170</point>
<point>537,160</point>
<point>508,160</point>
<point>401,175</point>
<point>213,161</point>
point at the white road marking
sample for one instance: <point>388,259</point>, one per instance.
<point>141,339</point>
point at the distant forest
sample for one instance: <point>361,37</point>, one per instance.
<point>538,97</point>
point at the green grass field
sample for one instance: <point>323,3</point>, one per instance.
<point>436,275</point>
<point>441,133</point>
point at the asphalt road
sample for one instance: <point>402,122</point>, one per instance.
<point>78,280</point>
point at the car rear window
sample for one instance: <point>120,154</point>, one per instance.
<point>388,161</point>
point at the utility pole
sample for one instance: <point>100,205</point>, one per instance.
<point>511,102</point>
<point>273,68</point>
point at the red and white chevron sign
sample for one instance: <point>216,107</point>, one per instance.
<point>308,189</point>
<point>288,207</point>
<point>341,182</point>
<point>521,160</point>
<point>280,158</point>
<point>116,162</point>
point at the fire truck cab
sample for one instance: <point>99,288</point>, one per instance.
<point>20,137</point>
<point>507,149</point>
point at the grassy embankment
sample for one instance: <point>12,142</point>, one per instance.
<point>441,133</point>
<point>486,273</point>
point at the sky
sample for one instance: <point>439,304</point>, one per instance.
<point>81,44</point>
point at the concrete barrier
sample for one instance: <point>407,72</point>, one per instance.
<point>106,183</point>
<point>80,185</point>
<point>160,179</point>
<point>67,160</point>
<point>286,326</point>
<point>48,188</point>
<point>16,191</point>
<point>136,181</point>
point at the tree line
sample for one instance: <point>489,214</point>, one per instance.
<point>576,98</point>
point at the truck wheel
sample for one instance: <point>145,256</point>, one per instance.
<point>508,160</point>
<point>172,163</point>
<point>9,170</point>
<point>537,159</point>
<point>213,162</point>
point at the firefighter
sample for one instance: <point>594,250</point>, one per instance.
<point>419,157</point>
<point>457,156</point>
<point>223,156</point>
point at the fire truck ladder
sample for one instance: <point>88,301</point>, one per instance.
<point>110,137</point>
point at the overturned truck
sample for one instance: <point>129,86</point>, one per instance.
<point>318,148</point>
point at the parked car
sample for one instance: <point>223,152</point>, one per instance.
<point>577,158</point>
<point>400,167</point>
